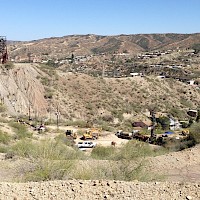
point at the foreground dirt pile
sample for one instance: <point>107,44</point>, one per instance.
<point>99,190</point>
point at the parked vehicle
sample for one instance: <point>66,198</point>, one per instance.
<point>86,144</point>
<point>91,134</point>
<point>124,135</point>
<point>70,133</point>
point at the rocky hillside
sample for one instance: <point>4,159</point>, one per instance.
<point>31,89</point>
<point>62,47</point>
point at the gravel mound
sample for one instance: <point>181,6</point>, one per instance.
<point>99,189</point>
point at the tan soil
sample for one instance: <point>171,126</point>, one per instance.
<point>180,168</point>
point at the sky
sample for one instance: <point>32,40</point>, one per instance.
<point>25,20</point>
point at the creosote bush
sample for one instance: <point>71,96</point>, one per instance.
<point>4,138</point>
<point>20,130</point>
<point>195,133</point>
<point>103,153</point>
<point>127,163</point>
<point>50,160</point>
<point>54,160</point>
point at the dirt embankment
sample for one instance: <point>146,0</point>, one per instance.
<point>77,190</point>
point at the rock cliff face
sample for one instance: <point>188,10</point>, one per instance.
<point>21,91</point>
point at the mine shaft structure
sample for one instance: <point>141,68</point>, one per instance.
<point>3,50</point>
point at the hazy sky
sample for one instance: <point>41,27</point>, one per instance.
<point>37,19</point>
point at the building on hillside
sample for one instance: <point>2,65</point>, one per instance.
<point>140,124</point>
<point>192,113</point>
<point>191,82</point>
<point>133,74</point>
<point>174,124</point>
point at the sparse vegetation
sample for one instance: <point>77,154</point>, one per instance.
<point>4,137</point>
<point>20,130</point>
<point>195,133</point>
<point>9,65</point>
<point>2,108</point>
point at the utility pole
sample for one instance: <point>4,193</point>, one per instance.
<point>57,118</point>
<point>29,111</point>
<point>153,119</point>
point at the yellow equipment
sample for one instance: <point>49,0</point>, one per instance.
<point>71,134</point>
<point>91,134</point>
<point>185,132</point>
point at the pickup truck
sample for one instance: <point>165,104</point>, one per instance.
<point>86,144</point>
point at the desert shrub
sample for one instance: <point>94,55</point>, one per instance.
<point>48,94</point>
<point>3,148</point>
<point>68,141</point>
<point>177,113</point>
<point>9,65</point>
<point>79,123</point>
<point>50,159</point>
<point>45,170</point>
<point>107,118</point>
<point>127,125</point>
<point>195,133</point>
<point>20,130</point>
<point>164,122</point>
<point>127,163</point>
<point>104,125</point>
<point>3,119</point>
<point>23,148</point>
<point>2,108</point>
<point>173,144</point>
<point>196,48</point>
<point>111,170</point>
<point>103,153</point>
<point>133,150</point>
<point>45,81</point>
<point>4,138</point>
<point>45,149</point>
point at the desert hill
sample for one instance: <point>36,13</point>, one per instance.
<point>62,47</point>
<point>39,91</point>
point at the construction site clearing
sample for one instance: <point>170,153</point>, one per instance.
<point>118,138</point>
<point>99,137</point>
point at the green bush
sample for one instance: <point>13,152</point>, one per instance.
<point>23,148</point>
<point>50,160</point>
<point>4,138</point>
<point>68,141</point>
<point>45,170</point>
<point>133,150</point>
<point>9,65</point>
<point>79,123</point>
<point>20,130</point>
<point>195,133</point>
<point>127,163</point>
<point>2,108</point>
<point>3,148</point>
<point>164,122</point>
<point>103,153</point>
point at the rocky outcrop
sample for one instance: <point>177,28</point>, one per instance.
<point>20,90</point>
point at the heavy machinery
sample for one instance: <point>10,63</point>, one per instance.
<point>91,134</point>
<point>124,135</point>
<point>131,135</point>
<point>71,133</point>
<point>185,132</point>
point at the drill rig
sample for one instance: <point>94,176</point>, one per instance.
<point>3,50</point>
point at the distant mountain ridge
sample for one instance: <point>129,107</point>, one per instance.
<point>59,47</point>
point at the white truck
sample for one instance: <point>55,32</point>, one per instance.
<point>86,144</point>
